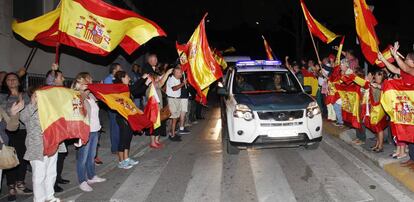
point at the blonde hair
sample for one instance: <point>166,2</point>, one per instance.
<point>80,79</point>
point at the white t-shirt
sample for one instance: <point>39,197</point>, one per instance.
<point>171,82</point>
<point>95,124</point>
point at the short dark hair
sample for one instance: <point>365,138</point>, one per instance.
<point>113,66</point>
<point>118,76</point>
<point>410,56</point>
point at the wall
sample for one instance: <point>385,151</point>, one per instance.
<point>13,53</point>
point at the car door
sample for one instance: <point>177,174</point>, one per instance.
<point>230,104</point>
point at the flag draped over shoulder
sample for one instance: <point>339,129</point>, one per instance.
<point>310,80</point>
<point>269,52</point>
<point>90,25</point>
<point>117,97</point>
<point>198,61</point>
<point>365,23</point>
<point>151,109</point>
<point>62,116</point>
<point>397,99</point>
<point>351,97</point>
<point>374,117</point>
<point>316,28</point>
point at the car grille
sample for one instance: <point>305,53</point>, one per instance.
<point>281,124</point>
<point>281,115</point>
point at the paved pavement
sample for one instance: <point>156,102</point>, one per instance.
<point>198,169</point>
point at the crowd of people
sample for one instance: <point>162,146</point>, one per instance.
<point>371,92</point>
<point>20,124</point>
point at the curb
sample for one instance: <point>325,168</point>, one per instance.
<point>392,166</point>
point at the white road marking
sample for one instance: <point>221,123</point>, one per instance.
<point>270,181</point>
<point>140,183</point>
<point>387,186</point>
<point>205,184</point>
<point>338,185</point>
<point>214,133</point>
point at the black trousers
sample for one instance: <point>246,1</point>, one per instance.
<point>199,110</point>
<point>125,134</point>
<point>17,140</point>
<point>411,150</point>
<point>59,165</point>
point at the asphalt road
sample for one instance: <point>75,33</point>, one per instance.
<point>198,169</point>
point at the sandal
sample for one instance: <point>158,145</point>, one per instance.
<point>379,150</point>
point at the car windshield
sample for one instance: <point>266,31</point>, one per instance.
<point>265,82</point>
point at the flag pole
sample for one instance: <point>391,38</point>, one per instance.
<point>314,46</point>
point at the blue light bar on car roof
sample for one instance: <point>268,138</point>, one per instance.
<point>259,63</point>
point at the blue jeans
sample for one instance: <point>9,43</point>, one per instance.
<point>338,112</point>
<point>85,163</point>
<point>138,102</point>
<point>114,129</point>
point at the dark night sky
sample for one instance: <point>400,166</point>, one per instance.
<point>232,23</point>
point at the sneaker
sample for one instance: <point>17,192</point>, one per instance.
<point>183,132</point>
<point>124,165</point>
<point>96,179</point>
<point>53,200</point>
<point>84,186</point>
<point>11,197</point>
<point>98,161</point>
<point>176,138</point>
<point>131,162</point>
<point>22,189</point>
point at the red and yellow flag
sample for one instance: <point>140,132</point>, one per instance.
<point>338,55</point>
<point>387,55</point>
<point>219,58</point>
<point>310,80</point>
<point>269,52</point>
<point>117,97</point>
<point>397,99</point>
<point>373,113</point>
<point>351,98</point>
<point>365,23</point>
<point>316,28</point>
<point>151,109</point>
<point>62,116</point>
<point>202,68</point>
<point>90,25</point>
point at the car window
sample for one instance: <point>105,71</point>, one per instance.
<point>265,82</point>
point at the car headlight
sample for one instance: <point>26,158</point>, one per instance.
<point>243,111</point>
<point>312,110</point>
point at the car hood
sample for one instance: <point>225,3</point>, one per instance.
<point>274,101</point>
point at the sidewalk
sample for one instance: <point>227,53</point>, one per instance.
<point>383,159</point>
<point>139,145</point>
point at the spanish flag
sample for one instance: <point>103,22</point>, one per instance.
<point>219,58</point>
<point>269,52</point>
<point>90,25</point>
<point>62,116</point>
<point>397,100</point>
<point>387,55</point>
<point>373,113</point>
<point>365,23</point>
<point>338,55</point>
<point>151,109</point>
<point>351,97</point>
<point>117,97</point>
<point>316,28</point>
<point>203,69</point>
<point>310,80</point>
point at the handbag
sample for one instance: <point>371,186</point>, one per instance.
<point>165,113</point>
<point>8,156</point>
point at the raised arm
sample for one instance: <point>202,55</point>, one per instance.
<point>389,66</point>
<point>403,66</point>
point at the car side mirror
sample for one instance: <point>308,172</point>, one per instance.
<point>222,91</point>
<point>307,89</point>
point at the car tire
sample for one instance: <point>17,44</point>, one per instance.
<point>312,146</point>
<point>231,148</point>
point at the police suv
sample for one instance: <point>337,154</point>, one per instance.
<point>264,105</point>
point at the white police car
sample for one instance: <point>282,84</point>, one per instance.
<point>264,105</point>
